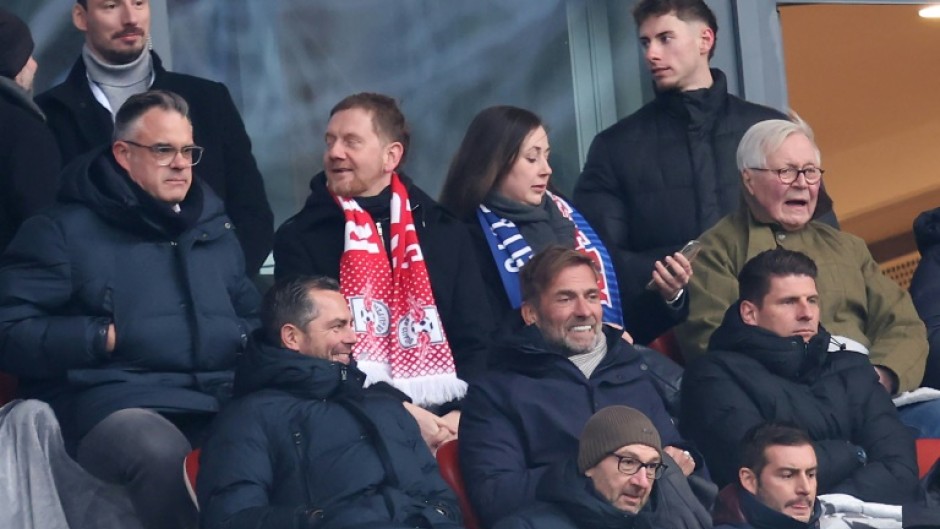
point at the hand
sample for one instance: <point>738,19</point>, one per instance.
<point>450,421</point>
<point>110,340</point>
<point>430,425</point>
<point>682,458</point>
<point>671,275</point>
<point>886,378</point>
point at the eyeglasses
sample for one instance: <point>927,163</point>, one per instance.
<point>788,175</point>
<point>630,466</point>
<point>165,154</point>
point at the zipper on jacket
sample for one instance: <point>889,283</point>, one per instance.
<point>342,372</point>
<point>298,438</point>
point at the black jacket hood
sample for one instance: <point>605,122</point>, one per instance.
<point>96,181</point>
<point>789,357</point>
<point>265,366</point>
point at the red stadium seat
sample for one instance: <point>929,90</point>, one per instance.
<point>450,470</point>
<point>669,346</point>
<point>928,451</point>
<point>7,387</point>
<point>190,470</point>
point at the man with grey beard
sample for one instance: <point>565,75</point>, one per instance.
<point>526,414</point>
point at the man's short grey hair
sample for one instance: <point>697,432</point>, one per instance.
<point>137,105</point>
<point>766,137</point>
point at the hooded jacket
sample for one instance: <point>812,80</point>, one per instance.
<point>751,376</point>
<point>311,243</point>
<point>925,288</point>
<point>80,124</point>
<point>527,413</point>
<point>568,500</point>
<point>173,285</point>
<point>304,445</point>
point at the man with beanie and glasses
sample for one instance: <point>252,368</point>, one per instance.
<point>29,159</point>
<point>622,478</point>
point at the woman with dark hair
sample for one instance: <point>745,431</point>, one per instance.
<point>498,184</point>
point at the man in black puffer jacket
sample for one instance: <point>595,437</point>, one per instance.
<point>124,307</point>
<point>666,173</point>
<point>769,362</point>
<point>305,445</point>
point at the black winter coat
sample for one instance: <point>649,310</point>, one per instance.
<point>650,319</point>
<point>29,160</point>
<point>665,174</point>
<point>925,288</point>
<point>80,124</point>
<point>752,375</point>
<point>568,500</point>
<point>311,243</point>
<point>173,285</point>
<point>528,411</point>
<point>739,509</point>
<point>305,446</point>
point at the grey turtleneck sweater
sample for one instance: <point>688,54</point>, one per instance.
<point>119,81</point>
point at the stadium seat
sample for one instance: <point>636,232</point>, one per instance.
<point>669,346</point>
<point>450,470</point>
<point>190,470</point>
<point>928,451</point>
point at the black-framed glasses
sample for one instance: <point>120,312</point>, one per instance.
<point>788,175</point>
<point>629,465</point>
<point>165,154</point>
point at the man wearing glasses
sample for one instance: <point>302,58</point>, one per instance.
<point>620,468</point>
<point>124,305</point>
<point>781,175</point>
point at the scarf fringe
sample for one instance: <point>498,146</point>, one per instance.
<point>424,391</point>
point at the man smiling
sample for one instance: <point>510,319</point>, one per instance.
<point>544,383</point>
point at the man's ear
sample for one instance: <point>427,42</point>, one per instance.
<point>79,19</point>
<point>121,153</point>
<point>748,479</point>
<point>747,181</point>
<point>394,152</point>
<point>749,311</point>
<point>706,40</point>
<point>290,337</point>
<point>529,314</point>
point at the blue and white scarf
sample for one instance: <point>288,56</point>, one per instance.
<point>511,251</point>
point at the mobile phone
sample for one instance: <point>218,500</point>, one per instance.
<point>690,251</point>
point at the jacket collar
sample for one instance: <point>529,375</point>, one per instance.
<point>15,94</point>
<point>524,350</point>
<point>697,107</point>
<point>574,494</point>
<point>736,506</point>
<point>788,357</point>
<point>264,366</point>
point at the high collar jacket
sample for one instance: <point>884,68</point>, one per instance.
<point>173,285</point>
<point>80,124</point>
<point>752,376</point>
<point>528,411</point>
<point>304,445</point>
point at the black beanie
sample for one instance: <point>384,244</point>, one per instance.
<point>16,44</point>
<point>611,429</point>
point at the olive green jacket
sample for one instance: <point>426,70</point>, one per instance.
<point>856,299</point>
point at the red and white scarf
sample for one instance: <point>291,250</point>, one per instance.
<point>401,338</point>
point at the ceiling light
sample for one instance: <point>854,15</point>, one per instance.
<point>930,12</point>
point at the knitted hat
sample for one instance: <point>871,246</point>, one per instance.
<point>16,44</point>
<point>611,429</point>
